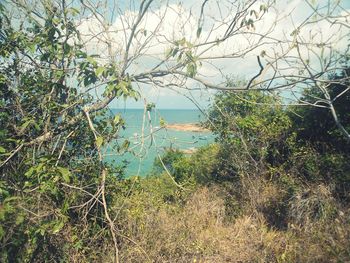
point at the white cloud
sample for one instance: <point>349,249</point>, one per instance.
<point>162,25</point>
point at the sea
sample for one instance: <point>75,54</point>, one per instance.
<point>149,139</point>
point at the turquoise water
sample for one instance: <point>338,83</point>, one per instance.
<point>148,139</point>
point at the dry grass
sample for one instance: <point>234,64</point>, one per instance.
<point>198,231</point>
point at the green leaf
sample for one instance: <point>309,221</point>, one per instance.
<point>116,119</point>
<point>32,48</point>
<point>99,141</point>
<point>91,60</point>
<point>19,219</point>
<point>191,69</point>
<point>182,42</point>
<point>162,122</point>
<point>125,145</point>
<point>124,87</point>
<point>2,150</point>
<point>174,51</point>
<point>89,80</point>
<point>73,11</point>
<point>109,89</point>
<point>66,174</point>
<point>2,232</point>
<point>57,227</point>
<point>199,31</point>
<point>263,8</point>
<point>30,172</point>
<point>169,52</point>
<point>25,124</point>
<point>99,71</point>
<point>150,106</point>
<point>12,198</point>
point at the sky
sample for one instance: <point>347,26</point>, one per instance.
<point>177,19</point>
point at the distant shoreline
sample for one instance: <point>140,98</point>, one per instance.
<point>191,127</point>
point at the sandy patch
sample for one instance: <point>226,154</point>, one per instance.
<point>192,127</point>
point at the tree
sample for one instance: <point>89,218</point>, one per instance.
<point>53,178</point>
<point>290,55</point>
<point>323,124</point>
<point>62,65</point>
<point>252,128</point>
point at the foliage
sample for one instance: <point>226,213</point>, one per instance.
<point>50,170</point>
<point>176,163</point>
<point>316,124</point>
<point>273,188</point>
<point>252,128</point>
